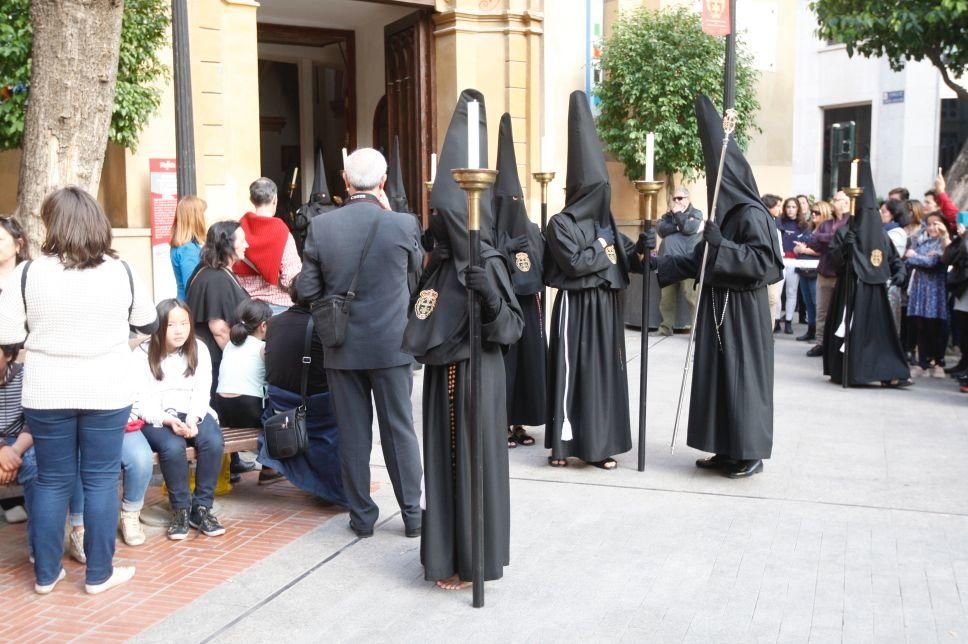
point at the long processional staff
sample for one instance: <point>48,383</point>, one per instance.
<point>437,335</point>
<point>731,407</point>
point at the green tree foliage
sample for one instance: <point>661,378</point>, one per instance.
<point>901,30</point>
<point>144,31</point>
<point>654,64</point>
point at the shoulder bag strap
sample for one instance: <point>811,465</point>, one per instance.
<point>23,291</point>
<point>127,269</point>
<point>351,294</point>
<point>307,360</point>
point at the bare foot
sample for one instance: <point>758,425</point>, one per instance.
<point>453,583</point>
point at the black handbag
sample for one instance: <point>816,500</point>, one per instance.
<point>285,432</point>
<point>332,313</point>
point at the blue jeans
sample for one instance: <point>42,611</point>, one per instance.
<point>808,288</point>
<point>59,435</point>
<point>174,466</point>
<point>136,466</point>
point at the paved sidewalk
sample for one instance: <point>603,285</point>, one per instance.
<point>857,531</point>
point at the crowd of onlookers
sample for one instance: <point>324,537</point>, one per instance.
<point>113,379</point>
<point>930,307</point>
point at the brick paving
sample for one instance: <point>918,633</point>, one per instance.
<point>170,575</point>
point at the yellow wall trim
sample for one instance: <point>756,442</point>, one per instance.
<point>523,22</point>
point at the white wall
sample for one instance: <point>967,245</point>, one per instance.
<point>904,136</point>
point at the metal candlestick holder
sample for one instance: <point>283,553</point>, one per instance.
<point>648,191</point>
<point>544,178</point>
<point>474,181</point>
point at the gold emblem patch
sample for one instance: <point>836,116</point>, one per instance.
<point>425,304</point>
<point>522,261</point>
<point>610,254</point>
<point>877,257</point>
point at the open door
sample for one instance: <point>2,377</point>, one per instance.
<point>410,86</point>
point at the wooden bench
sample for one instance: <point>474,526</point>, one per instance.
<point>237,439</point>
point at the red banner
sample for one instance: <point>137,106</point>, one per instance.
<point>715,17</point>
<point>164,198</point>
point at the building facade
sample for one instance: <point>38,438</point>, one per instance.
<point>274,80</point>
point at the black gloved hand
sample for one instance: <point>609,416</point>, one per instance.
<point>646,243</point>
<point>897,279</point>
<point>475,279</point>
<point>850,237</point>
<point>605,234</point>
<point>712,234</point>
<point>653,262</point>
<point>517,244</point>
<point>428,240</point>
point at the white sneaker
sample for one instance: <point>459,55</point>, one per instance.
<point>45,590</point>
<point>75,546</point>
<point>120,575</point>
<point>916,371</point>
<point>16,514</point>
<point>131,530</point>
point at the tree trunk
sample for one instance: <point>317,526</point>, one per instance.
<point>957,179</point>
<point>72,82</point>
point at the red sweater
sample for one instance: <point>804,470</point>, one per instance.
<point>267,238</point>
<point>948,209</point>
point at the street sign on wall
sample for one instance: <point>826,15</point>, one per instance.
<point>715,17</point>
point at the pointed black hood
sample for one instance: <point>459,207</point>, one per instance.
<point>447,200</point>
<point>738,187</point>
<point>320,192</point>
<point>396,193</point>
<point>588,194</point>
<point>511,217</point>
<point>870,252</point>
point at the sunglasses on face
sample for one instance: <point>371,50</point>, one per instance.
<point>678,198</point>
<point>814,212</point>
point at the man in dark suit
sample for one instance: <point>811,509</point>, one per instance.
<point>369,362</point>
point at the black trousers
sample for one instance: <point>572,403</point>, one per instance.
<point>931,340</point>
<point>170,447</point>
<point>960,324</point>
<point>354,394</point>
<point>240,411</point>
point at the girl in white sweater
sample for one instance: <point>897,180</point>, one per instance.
<point>175,373</point>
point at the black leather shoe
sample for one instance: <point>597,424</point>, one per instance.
<point>809,336</point>
<point>361,533</point>
<point>238,466</point>
<point>815,352</point>
<point>412,532</point>
<point>777,327</point>
<point>788,328</point>
<point>716,462</point>
<point>745,469</point>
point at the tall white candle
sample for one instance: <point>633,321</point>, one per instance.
<point>433,166</point>
<point>344,158</point>
<point>853,172</point>
<point>473,134</point>
<point>545,154</point>
<point>650,156</point>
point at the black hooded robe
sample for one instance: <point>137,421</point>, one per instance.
<point>526,360</point>
<point>875,347</point>
<point>731,404</point>
<point>588,404</point>
<point>437,336</point>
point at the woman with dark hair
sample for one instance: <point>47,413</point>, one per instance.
<point>213,293</point>
<point>241,390</point>
<point>175,374</point>
<point>792,224</point>
<point>317,470</point>
<point>76,394</point>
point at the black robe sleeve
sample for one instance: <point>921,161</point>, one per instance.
<point>635,261</point>
<point>675,268</point>
<point>837,250</point>
<point>504,326</point>
<point>749,254</point>
<point>570,252</point>
<point>898,269</point>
